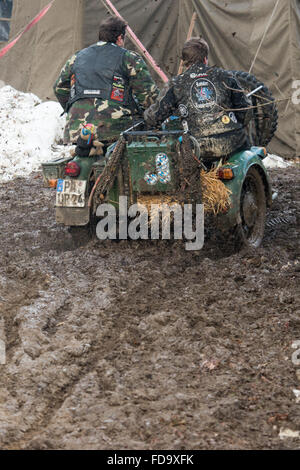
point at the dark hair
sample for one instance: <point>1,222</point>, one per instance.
<point>111,28</point>
<point>194,50</point>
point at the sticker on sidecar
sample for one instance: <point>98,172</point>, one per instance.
<point>70,193</point>
<point>162,173</point>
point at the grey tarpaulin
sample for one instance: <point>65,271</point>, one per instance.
<point>34,62</point>
<point>233,30</point>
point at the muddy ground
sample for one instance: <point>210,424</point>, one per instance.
<point>143,345</point>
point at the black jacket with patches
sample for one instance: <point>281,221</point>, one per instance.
<point>99,73</point>
<point>212,103</point>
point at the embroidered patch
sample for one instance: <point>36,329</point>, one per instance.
<point>73,83</point>
<point>203,94</point>
<point>118,81</point>
<point>91,92</point>
<point>118,89</point>
<point>117,94</point>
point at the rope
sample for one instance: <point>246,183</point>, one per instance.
<point>264,35</point>
<point>106,179</point>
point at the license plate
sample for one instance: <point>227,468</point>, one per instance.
<point>70,193</point>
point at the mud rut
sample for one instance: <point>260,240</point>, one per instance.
<point>140,345</point>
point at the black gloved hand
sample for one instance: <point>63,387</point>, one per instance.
<point>83,148</point>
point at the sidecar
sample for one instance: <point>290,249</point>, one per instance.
<point>148,172</point>
<point>151,160</point>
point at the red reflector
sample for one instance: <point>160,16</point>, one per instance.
<point>72,169</point>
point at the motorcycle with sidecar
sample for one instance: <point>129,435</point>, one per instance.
<point>145,166</point>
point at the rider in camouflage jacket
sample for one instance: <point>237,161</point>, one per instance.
<point>105,85</point>
<point>209,101</point>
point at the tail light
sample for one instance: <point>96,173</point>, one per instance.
<point>72,169</point>
<point>52,183</point>
<point>225,173</point>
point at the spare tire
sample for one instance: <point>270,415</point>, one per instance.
<point>263,125</point>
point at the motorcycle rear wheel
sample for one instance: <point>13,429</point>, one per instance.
<point>250,231</point>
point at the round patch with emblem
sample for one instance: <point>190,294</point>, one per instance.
<point>226,119</point>
<point>183,110</point>
<point>203,95</point>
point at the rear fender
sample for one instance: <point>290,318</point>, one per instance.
<point>240,164</point>
<point>85,164</point>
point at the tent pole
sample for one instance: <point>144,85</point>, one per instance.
<point>189,35</point>
<point>108,4</point>
<point>264,35</point>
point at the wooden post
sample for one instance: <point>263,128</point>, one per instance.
<point>108,4</point>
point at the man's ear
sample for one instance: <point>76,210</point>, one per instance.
<point>206,61</point>
<point>120,40</point>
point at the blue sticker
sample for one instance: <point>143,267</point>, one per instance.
<point>60,186</point>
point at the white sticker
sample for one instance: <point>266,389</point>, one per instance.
<point>233,117</point>
<point>162,174</point>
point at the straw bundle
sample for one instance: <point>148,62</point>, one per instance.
<point>159,199</point>
<point>215,195</point>
<point>147,200</point>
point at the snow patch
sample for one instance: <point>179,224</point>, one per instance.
<point>297,395</point>
<point>274,161</point>
<point>286,433</point>
<point>29,130</point>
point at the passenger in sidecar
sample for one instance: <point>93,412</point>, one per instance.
<point>209,101</point>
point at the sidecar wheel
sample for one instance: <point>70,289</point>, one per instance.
<point>263,125</point>
<point>250,231</point>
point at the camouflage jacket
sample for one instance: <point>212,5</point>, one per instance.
<point>109,117</point>
<point>211,105</point>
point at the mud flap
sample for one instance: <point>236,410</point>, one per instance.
<point>73,215</point>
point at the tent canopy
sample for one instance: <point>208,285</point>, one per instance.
<point>233,29</point>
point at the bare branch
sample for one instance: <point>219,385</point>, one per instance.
<point>253,107</point>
